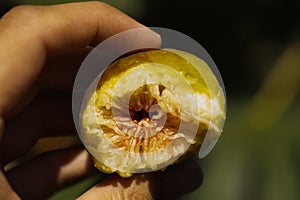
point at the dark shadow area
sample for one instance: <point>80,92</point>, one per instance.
<point>243,37</point>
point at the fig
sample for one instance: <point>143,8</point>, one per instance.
<point>151,109</point>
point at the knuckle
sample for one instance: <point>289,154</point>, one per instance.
<point>21,15</point>
<point>100,5</point>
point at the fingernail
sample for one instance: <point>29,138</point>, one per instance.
<point>148,36</point>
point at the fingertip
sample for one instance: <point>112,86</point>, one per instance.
<point>151,36</point>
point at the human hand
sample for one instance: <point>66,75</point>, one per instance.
<point>41,49</point>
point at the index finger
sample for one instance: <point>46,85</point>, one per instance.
<point>28,34</point>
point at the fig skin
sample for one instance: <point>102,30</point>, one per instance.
<point>187,98</point>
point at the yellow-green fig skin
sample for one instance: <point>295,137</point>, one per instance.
<point>180,83</point>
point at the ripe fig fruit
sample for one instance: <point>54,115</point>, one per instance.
<point>151,109</point>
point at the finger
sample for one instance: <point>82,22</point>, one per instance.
<point>174,182</point>
<point>58,74</point>
<point>6,191</point>
<point>50,114</point>
<point>33,33</point>
<point>49,172</point>
<point>60,71</point>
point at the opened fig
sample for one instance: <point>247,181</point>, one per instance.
<point>151,109</point>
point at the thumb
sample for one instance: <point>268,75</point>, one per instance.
<point>174,182</point>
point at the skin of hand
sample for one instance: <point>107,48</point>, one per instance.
<point>41,49</point>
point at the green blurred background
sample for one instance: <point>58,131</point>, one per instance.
<point>256,45</point>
